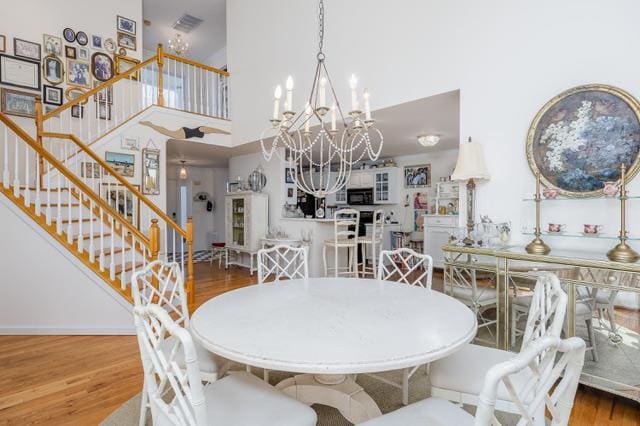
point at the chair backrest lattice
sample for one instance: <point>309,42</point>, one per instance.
<point>554,368</point>
<point>172,377</point>
<point>162,283</point>
<point>547,310</point>
<point>406,265</point>
<point>282,261</point>
<point>345,225</point>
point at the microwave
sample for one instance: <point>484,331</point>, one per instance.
<point>360,197</point>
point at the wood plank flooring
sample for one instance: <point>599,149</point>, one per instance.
<point>79,380</point>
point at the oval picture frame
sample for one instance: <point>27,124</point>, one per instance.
<point>45,74</point>
<point>99,71</point>
<point>69,35</point>
<point>82,38</point>
<point>68,93</point>
<point>571,145</point>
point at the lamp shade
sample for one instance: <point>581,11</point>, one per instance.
<point>470,164</point>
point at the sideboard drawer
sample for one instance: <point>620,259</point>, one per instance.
<point>449,221</point>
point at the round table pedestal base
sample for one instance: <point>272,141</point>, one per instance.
<point>335,390</point>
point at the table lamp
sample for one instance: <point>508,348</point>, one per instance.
<point>470,167</point>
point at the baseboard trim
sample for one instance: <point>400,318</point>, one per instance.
<point>67,331</point>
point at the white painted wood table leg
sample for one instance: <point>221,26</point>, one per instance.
<point>337,390</point>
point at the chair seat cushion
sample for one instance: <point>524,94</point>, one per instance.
<point>208,362</point>
<point>522,301</point>
<point>241,399</point>
<point>464,371</point>
<point>430,411</point>
<point>485,295</point>
<point>343,242</point>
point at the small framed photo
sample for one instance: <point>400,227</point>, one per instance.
<point>82,38</point>
<point>126,25</point>
<point>131,143</point>
<point>104,95</point>
<point>27,49</point>
<point>77,111</point>
<point>19,72</point>
<point>90,169</point>
<point>288,174</point>
<point>3,43</point>
<point>79,73</point>
<point>49,108</point>
<point>101,66</point>
<point>83,54</point>
<point>103,112</point>
<point>70,52</point>
<point>150,171</point>
<point>124,64</point>
<point>291,197</point>
<point>52,95</point>
<point>417,176</point>
<point>109,45</point>
<point>69,35</point>
<point>126,40</point>
<point>96,42</point>
<point>15,102</point>
<point>52,44</point>
<point>122,163</point>
<point>53,69</point>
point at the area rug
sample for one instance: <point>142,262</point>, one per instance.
<point>387,397</point>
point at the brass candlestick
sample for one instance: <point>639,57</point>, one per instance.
<point>537,246</point>
<point>622,252</point>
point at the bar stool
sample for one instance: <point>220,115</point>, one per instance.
<point>375,241</point>
<point>345,235</point>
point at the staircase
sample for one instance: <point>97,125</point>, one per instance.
<point>58,181</point>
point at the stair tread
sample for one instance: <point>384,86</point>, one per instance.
<point>116,250</point>
<point>42,189</point>
<point>87,236</point>
<point>78,220</point>
<point>128,266</point>
<point>44,203</point>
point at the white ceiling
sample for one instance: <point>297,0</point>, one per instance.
<point>400,125</point>
<point>205,40</point>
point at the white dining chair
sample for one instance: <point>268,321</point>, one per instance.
<point>162,284</point>
<point>345,236</point>
<point>459,376</point>
<point>373,244</point>
<point>535,379</point>
<point>177,396</point>
<point>282,261</point>
<point>406,266</point>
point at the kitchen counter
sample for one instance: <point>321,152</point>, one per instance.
<point>306,219</point>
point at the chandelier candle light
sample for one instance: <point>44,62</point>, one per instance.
<point>320,145</point>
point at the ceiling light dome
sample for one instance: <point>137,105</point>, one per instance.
<point>428,140</point>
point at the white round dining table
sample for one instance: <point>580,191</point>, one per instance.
<point>330,328</point>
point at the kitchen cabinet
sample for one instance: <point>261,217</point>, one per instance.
<point>360,179</point>
<point>437,230</point>
<point>385,188</point>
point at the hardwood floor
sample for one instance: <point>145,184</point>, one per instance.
<point>79,380</point>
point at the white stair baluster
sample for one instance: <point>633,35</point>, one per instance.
<point>182,254</point>
<point>16,174</point>
<point>188,108</point>
<point>38,201</point>
<point>92,247</point>
<point>59,211</point>
<point>101,257</point>
<point>80,233</point>
<point>69,209</point>
<point>5,169</point>
<point>49,171</point>
<point>122,257</point>
<point>173,253</point>
<point>133,254</point>
<point>27,191</point>
<point>112,262</point>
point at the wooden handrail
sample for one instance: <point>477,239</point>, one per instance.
<point>196,64</point>
<point>72,177</point>
<point>119,178</point>
<point>97,89</point>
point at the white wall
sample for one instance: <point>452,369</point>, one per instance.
<point>507,58</point>
<point>42,284</point>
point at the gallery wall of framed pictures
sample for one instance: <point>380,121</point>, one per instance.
<point>58,66</point>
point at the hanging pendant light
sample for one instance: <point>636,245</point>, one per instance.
<point>319,143</point>
<point>183,171</point>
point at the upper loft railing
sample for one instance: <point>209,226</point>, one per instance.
<point>164,79</point>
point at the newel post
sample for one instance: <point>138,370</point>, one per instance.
<point>190,289</point>
<point>160,77</point>
<point>39,127</point>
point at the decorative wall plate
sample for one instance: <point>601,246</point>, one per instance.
<point>579,139</point>
<point>109,45</point>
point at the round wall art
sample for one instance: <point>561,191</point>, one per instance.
<point>579,139</point>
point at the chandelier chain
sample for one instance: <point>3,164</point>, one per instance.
<point>321,29</point>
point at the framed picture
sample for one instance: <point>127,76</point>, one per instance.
<point>109,45</point>
<point>77,111</point>
<point>420,201</point>
<point>26,49</point>
<point>52,44</point>
<point>53,69</point>
<point>48,108</point>
<point>417,176</point>
<point>288,174</point>
<point>83,54</point>
<point>18,103</point>
<point>122,51</point>
<point>126,25</point>
<point>82,38</point>
<point>150,171</point>
<point>78,73</point>
<point>3,43</point>
<point>101,66</point>
<point>74,92</point>
<point>126,40</point>
<point>103,111</point>
<point>121,199</point>
<point>70,52</point>
<point>124,64</point>
<point>69,35</point>
<point>131,143</point>
<point>52,95</point>
<point>104,95</point>
<point>19,72</point>
<point>96,42</point>
<point>578,140</point>
<point>123,164</point>
<point>290,193</point>
<point>418,220</point>
<point>90,169</point>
